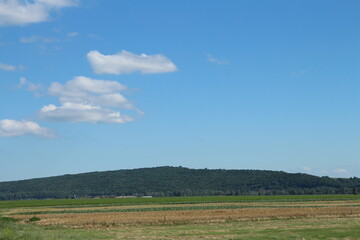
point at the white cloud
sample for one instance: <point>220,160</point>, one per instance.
<point>45,40</point>
<point>22,82</point>
<point>306,169</point>
<point>84,84</point>
<point>8,67</point>
<point>91,91</point>
<point>127,62</point>
<point>78,112</point>
<point>339,170</point>
<point>15,12</point>
<point>215,60</point>
<point>87,100</point>
<point>59,3</point>
<point>13,128</point>
<point>32,87</point>
<point>12,12</point>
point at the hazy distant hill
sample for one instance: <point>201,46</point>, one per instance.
<point>176,181</point>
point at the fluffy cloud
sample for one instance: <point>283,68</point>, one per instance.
<point>78,112</point>
<point>127,62</point>
<point>84,84</point>
<point>12,128</point>
<point>15,12</point>
<point>87,100</point>
<point>91,91</point>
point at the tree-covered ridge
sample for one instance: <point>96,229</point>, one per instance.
<point>176,181</point>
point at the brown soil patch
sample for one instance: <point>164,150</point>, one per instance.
<point>186,216</point>
<point>251,204</point>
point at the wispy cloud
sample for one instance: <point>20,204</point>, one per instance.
<point>73,34</point>
<point>127,62</point>
<point>13,128</point>
<point>88,100</point>
<point>16,12</point>
<point>340,170</point>
<point>32,87</point>
<point>78,112</point>
<point>36,38</point>
<point>47,40</point>
<point>59,3</point>
<point>215,60</point>
<point>8,67</point>
<point>22,82</point>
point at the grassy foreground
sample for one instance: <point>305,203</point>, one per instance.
<point>342,225</point>
<point>304,228</point>
<point>10,229</point>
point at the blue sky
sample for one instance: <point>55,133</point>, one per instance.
<point>119,84</point>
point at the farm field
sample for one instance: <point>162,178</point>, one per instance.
<point>220,217</point>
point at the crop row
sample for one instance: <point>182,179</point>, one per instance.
<point>155,209</point>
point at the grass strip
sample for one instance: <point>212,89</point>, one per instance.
<point>86,202</point>
<point>187,208</point>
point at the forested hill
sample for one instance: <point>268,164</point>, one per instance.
<point>176,181</point>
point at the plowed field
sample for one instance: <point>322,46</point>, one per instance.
<point>169,214</point>
<point>217,217</point>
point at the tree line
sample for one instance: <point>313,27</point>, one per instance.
<point>176,181</point>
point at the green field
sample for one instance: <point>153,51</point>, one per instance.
<point>326,217</point>
<point>171,200</point>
